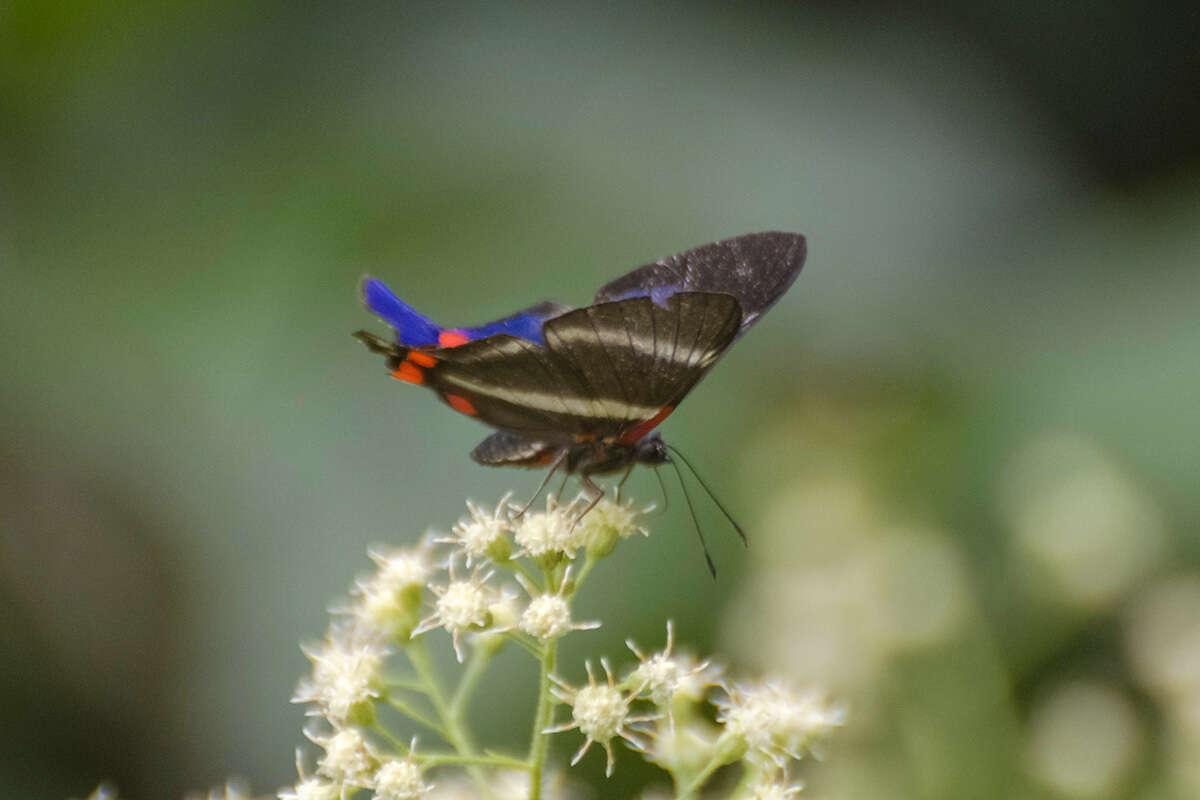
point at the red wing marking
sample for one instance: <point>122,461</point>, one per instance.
<point>461,404</point>
<point>452,338</point>
<point>642,428</point>
<point>409,373</point>
<point>421,359</point>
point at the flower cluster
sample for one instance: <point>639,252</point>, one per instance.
<point>508,576</point>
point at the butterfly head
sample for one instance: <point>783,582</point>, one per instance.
<point>651,449</point>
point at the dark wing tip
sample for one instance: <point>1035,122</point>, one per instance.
<point>789,249</point>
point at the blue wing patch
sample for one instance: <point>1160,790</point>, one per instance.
<point>416,330</point>
<point>525,324</point>
<point>657,294</point>
<point>412,329</point>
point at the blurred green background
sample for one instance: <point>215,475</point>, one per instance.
<point>964,445</point>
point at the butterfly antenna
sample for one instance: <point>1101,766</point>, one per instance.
<point>712,568</point>
<point>662,485</point>
<point>728,516</point>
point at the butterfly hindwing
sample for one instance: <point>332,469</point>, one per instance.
<point>508,449</point>
<point>414,329</point>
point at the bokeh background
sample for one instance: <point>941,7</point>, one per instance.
<point>964,445</point>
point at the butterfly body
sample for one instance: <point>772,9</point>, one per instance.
<point>583,389</point>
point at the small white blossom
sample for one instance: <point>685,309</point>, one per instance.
<point>401,779</point>
<point>772,790</point>
<point>462,605</point>
<point>548,533</point>
<point>345,673</point>
<point>685,747</point>
<point>504,611</point>
<point>479,535</point>
<point>774,723</point>
<point>548,616</point>
<point>348,758</point>
<point>311,789</point>
<point>608,517</point>
<point>601,713</point>
<point>402,567</point>
<point>392,593</point>
<point>665,676</point>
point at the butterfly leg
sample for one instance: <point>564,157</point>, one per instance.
<point>593,491</point>
<point>554,465</point>
<point>561,486</point>
<point>621,482</point>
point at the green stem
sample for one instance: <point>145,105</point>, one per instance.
<point>418,716</point>
<point>457,735</point>
<point>401,746</point>
<point>588,563</point>
<point>518,567</point>
<point>527,642</point>
<point>506,762</point>
<point>718,760</point>
<point>407,684</point>
<point>540,742</point>
<point>480,656</point>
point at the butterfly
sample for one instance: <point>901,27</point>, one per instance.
<point>582,389</point>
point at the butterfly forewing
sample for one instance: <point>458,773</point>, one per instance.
<point>756,269</point>
<point>513,384</point>
<point>596,375</point>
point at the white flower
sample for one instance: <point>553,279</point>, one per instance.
<point>683,748</point>
<point>609,521</point>
<point>348,758</point>
<point>387,598</point>
<point>400,779</point>
<point>548,616</point>
<point>503,612</point>
<point>345,673</point>
<point>311,789</point>
<point>771,790</point>
<point>482,534</point>
<point>664,676</point>
<point>549,533</point>
<point>775,724</point>
<point>462,605</point>
<point>403,567</point>
<point>601,712</point>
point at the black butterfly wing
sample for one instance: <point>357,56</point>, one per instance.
<point>547,376</point>
<point>607,370</point>
<point>756,269</point>
<point>640,358</point>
